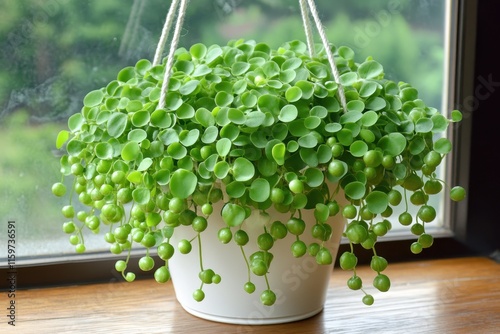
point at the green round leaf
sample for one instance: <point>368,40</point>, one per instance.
<point>236,116</point>
<point>424,125</point>
<point>223,146</point>
<point>176,150</point>
<point>135,177</point>
<point>189,138</point>
<point>168,136</point>
<point>93,98</point>
<point>75,122</point>
<point>377,202</point>
<point>249,99</point>
<point>230,131</point>
<point>293,94</point>
<point>358,148</point>
<point>393,144</point>
<point>375,103</point>
<point>443,146</point>
<point>309,156</point>
<point>201,70</point>
<point>239,87</point>
<point>287,75</point>
<point>399,171</point>
<point>255,119</point>
<point>142,66</point>
<point>235,189</point>
<point>292,146</point>
<point>416,145</point>
<point>297,128</point>
<point>367,135</point>
<point>271,69</point>
<point>355,106</point>
<point>319,111</point>
<point>368,88</point>
<point>145,164</point>
<point>189,87</point>
<point>239,68</point>
<point>62,137</point>
<point>185,111</point>
<point>370,70</point>
<point>160,119</point>
<point>345,137</point>
<point>162,177</point>
<point>312,122</point>
<point>103,117</point>
<point>130,151</point>
<point>348,78</point>
<point>333,127</point>
<point>346,52</point>
<point>269,103</point>
<point>288,113</point>
<point>456,116</point>
<point>306,87</point>
<point>278,153</point>
<point>184,66</point>
<point>104,151</point>
<point>369,118</point>
<point>126,74</point>
<point>440,123</point>
<point>291,64</point>
<point>137,135</point>
<point>133,106</point>
<point>183,183</point>
<point>243,170</point>
<point>173,101</point>
<point>140,118</point>
<point>214,52</point>
<point>223,99</point>
<point>233,214</point>
<point>259,190</point>
<point>198,50</point>
<point>408,94</point>
<point>210,135</point>
<point>324,153</point>
<point>308,141</point>
<point>355,190</point>
<point>204,117</point>
<point>221,169</point>
<point>141,195</point>
<point>314,177</point>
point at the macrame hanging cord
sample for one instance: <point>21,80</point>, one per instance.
<point>179,7</point>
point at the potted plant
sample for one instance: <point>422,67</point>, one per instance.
<point>256,148</point>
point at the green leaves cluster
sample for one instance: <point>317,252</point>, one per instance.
<point>255,128</point>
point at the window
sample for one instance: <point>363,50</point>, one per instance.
<point>54,52</point>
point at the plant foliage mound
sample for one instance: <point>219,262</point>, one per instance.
<point>255,128</point>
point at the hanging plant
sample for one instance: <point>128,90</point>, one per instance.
<point>253,128</point>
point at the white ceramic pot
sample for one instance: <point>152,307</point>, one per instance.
<point>299,283</point>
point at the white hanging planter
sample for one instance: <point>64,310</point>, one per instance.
<point>300,284</point>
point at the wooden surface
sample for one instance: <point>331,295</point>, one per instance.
<point>440,296</point>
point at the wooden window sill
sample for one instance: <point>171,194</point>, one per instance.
<point>459,295</point>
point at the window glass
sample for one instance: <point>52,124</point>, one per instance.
<point>54,52</point>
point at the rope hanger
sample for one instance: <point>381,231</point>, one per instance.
<point>179,7</point>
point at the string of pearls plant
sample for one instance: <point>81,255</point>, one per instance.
<point>255,128</point>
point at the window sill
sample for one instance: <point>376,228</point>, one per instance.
<point>445,295</point>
